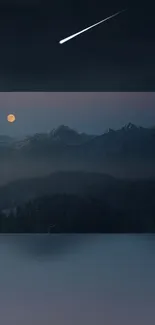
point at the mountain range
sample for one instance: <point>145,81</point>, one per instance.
<point>129,137</point>
<point>126,152</point>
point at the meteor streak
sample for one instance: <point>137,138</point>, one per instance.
<point>84,30</point>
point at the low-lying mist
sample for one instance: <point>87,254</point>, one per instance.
<point>11,170</point>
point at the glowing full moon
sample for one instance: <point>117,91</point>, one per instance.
<point>11,118</point>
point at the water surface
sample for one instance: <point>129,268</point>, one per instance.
<point>77,279</point>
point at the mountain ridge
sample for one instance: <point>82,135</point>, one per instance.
<point>128,151</point>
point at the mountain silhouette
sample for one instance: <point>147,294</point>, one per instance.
<point>68,136</point>
<point>126,152</point>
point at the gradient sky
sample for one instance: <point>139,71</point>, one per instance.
<point>117,55</point>
<point>86,112</point>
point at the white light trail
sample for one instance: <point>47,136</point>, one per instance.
<point>84,30</point>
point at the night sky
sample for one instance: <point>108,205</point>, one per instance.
<point>117,55</point>
<point>92,112</point>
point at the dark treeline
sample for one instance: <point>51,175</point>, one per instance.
<point>72,213</point>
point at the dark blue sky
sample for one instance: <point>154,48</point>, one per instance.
<point>88,112</point>
<point>117,55</point>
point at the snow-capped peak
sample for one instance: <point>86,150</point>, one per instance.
<point>130,126</point>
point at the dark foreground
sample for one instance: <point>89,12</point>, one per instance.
<point>82,214</point>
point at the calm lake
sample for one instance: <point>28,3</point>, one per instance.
<point>77,279</point>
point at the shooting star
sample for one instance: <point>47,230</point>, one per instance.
<point>84,30</point>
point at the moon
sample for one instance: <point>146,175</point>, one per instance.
<point>11,118</point>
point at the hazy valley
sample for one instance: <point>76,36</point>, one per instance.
<point>102,180</point>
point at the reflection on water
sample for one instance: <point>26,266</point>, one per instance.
<point>77,279</point>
